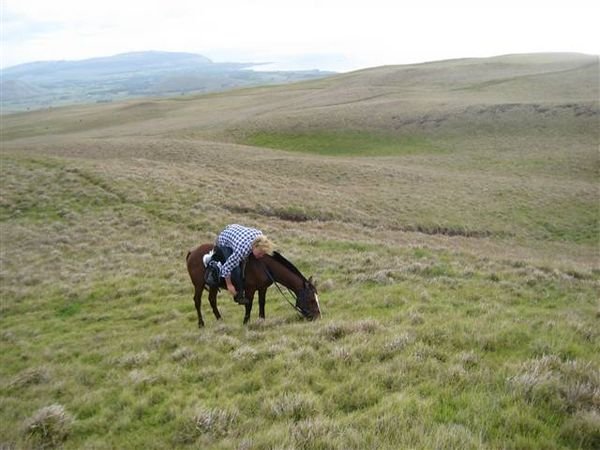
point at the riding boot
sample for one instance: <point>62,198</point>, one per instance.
<point>238,283</point>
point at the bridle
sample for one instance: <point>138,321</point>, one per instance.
<point>299,297</point>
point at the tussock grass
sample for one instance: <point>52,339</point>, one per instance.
<point>295,406</point>
<point>204,426</point>
<point>29,376</point>
<point>583,428</point>
<point>49,426</point>
<point>570,384</point>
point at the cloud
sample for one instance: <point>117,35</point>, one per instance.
<point>17,28</point>
<point>353,33</point>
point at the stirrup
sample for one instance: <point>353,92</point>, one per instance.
<point>241,299</point>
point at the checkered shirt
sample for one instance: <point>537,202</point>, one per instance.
<point>239,239</point>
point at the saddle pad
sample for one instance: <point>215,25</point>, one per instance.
<point>206,258</point>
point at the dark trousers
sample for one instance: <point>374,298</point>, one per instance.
<point>237,277</point>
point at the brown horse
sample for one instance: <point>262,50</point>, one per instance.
<point>260,274</point>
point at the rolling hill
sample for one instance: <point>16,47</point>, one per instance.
<point>449,211</point>
<point>431,98</point>
<point>45,84</point>
<point>527,120</point>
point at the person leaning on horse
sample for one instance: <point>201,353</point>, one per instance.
<point>233,246</point>
<point>204,266</point>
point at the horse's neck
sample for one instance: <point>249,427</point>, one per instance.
<point>283,275</point>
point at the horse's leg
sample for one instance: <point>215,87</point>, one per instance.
<point>262,296</point>
<point>212,298</point>
<point>198,303</point>
<point>250,297</point>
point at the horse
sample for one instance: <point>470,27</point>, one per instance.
<point>260,274</point>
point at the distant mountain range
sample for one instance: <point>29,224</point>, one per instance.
<point>54,83</point>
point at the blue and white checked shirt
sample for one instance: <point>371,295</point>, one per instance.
<point>239,239</point>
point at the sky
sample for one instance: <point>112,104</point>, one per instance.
<point>337,35</point>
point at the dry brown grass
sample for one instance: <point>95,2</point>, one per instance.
<point>393,201</point>
<point>49,426</point>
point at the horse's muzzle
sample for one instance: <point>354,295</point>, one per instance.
<point>314,316</point>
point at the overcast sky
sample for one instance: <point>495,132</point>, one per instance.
<point>338,35</point>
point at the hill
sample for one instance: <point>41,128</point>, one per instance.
<point>449,211</point>
<point>121,64</point>
<point>105,79</point>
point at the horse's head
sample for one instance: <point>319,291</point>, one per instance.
<point>307,302</point>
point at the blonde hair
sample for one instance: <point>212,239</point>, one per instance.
<point>263,244</point>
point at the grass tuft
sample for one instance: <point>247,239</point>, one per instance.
<point>245,354</point>
<point>314,433</point>
<point>294,406</point>
<point>49,426</point>
<point>131,360</point>
<point>216,421</point>
<point>583,429</point>
<point>568,385</point>
<point>398,343</point>
<point>28,377</point>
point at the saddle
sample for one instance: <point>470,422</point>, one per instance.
<point>213,262</point>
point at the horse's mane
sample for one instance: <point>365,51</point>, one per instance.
<point>280,259</point>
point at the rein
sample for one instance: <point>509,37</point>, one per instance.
<point>283,294</point>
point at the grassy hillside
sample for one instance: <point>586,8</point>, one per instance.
<point>449,211</point>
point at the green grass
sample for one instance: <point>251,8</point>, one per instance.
<point>419,346</point>
<point>435,359</point>
<point>342,143</point>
